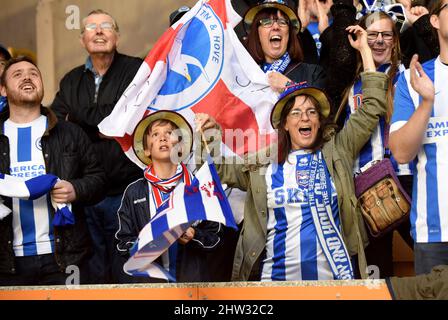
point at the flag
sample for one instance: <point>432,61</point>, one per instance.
<point>32,189</point>
<point>199,66</point>
<point>203,199</point>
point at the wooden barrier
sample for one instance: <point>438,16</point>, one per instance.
<point>291,290</point>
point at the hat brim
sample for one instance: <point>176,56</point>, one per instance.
<point>316,93</point>
<point>186,133</point>
<point>252,12</point>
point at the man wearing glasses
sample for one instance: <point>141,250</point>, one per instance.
<point>88,94</point>
<point>419,131</point>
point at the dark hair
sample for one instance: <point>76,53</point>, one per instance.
<point>148,129</point>
<point>99,11</point>
<point>12,62</point>
<point>435,6</point>
<point>326,130</point>
<point>364,22</point>
<point>253,44</point>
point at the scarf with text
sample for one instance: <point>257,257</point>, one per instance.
<point>328,234</point>
<point>279,65</point>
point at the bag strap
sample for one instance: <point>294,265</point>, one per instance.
<point>387,152</point>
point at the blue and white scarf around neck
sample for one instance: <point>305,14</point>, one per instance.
<point>278,65</point>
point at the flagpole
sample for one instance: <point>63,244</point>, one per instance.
<point>204,140</point>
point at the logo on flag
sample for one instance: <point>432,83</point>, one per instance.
<point>191,71</point>
<point>199,66</point>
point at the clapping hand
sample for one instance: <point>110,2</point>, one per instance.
<point>420,81</point>
<point>323,8</point>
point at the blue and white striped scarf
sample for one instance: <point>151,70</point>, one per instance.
<point>31,189</point>
<point>279,65</point>
<point>329,237</point>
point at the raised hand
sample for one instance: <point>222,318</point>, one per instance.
<point>413,13</point>
<point>204,121</point>
<point>361,37</point>
<point>323,8</point>
<point>420,81</point>
<point>361,45</point>
<point>303,11</point>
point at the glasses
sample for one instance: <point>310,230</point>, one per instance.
<point>103,26</point>
<point>386,35</point>
<point>441,8</point>
<point>269,22</point>
<point>310,113</point>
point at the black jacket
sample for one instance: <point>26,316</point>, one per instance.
<point>313,74</point>
<point>134,214</point>
<point>69,155</point>
<point>76,103</point>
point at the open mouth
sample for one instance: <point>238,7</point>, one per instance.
<point>305,131</point>
<point>27,87</point>
<point>275,40</point>
<point>100,41</point>
<point>164,148</point>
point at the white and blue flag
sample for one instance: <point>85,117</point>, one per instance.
<point>203,199</point>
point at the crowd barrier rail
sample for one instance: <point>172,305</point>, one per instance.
<point>288,290</point>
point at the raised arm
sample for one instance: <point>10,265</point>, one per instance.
<point>230,169</point>
<point>406,137</point>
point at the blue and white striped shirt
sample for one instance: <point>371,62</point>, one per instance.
<point>373,150</point>
<point>32,226</point>
<point>429,212</point>
<point>293,251</point>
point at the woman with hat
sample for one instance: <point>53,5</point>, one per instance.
<point>273,43</point>
<point>301,220</point>
<point>161,141</point>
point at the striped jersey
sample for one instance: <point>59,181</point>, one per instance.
<point>374,149</point>
<point>429,212</point>
<point>293,251</point>
<point>32,226</point>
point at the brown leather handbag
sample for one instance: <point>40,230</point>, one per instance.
<point>383,201</point>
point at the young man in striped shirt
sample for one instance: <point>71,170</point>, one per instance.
<point>420,130</point>
<point>33,249</point>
